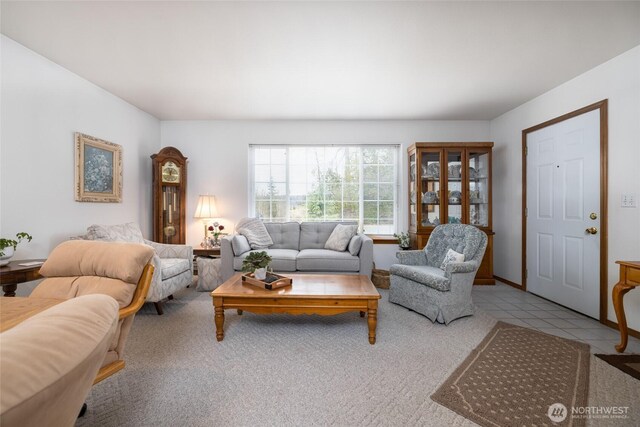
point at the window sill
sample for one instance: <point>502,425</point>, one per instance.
<point>382,239</point>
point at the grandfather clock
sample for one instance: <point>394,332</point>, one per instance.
<point>169,196</point>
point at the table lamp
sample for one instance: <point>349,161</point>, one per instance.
<point>206,211</point>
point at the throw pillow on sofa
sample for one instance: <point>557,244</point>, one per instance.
<point>240,244</point>
<point>354,245</point>
<point>255,232</point>
<point>450,258</point>
<point>340,237</point>
<point>129,232</point>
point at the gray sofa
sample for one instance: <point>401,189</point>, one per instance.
<point>299,247</point>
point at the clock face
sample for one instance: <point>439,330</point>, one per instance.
<point>170,173</point>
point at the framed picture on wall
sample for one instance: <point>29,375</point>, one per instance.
<point>98,167</point>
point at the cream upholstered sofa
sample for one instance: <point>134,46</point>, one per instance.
<point>299,247</point>
<point>50,361</point>
<point>173,263</point>
<point>119,270</point>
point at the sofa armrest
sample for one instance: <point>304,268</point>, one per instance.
<point>417,257</point>
<point>172,251</point>
<point>461,268</point>
<point>226,256</point>
<point>366,256</point>
<point>457,270</point>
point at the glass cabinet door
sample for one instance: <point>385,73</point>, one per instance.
<point>413,192</point>
<point>479,167</point>
<point>454,187</point>
<point>430,214</point>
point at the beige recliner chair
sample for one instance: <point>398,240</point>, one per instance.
<point>120,270</point>
<point>50,360</point>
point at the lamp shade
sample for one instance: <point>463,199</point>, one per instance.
<point>206,207</point>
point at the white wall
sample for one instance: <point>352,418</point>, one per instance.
<point>42,105</point>
<point>617,80</point>
<point>218,153</point>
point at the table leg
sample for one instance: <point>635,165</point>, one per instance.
<point>619,290</point>
<point>219,319</point>
<point>372,320</point>
<point>9,290</point>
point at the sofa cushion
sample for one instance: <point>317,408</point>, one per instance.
<point>314,235</point>
<point>340,237</point>
<point>355,244</point>
<point>129,232</point>
<point>117,260</point>
<point>171,267</point>
<point>327,260</point>
<point>282,259</point>
<point>240,244</point>
<point>255,232</point>
<point>423,274</point>
<point>285,235</point>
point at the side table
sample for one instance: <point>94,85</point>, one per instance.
<point>13,273</point>
<point>200,252</point>
<point>629,279</point>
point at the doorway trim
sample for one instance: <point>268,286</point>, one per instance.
<point>604,132</point>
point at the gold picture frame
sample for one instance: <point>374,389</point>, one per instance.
<point>98,171</point>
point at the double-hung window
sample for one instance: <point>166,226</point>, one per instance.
<point>326,183</point>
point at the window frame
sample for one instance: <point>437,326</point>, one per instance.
<point>397,183</point>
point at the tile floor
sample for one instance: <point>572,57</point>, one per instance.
<point>524,309</point>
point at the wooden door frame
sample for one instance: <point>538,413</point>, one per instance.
<point>603,106</point>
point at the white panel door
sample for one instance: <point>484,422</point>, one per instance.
<point>563,190</point>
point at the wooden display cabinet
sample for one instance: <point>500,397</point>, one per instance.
<point>169,196</point>
<point>450,183</point>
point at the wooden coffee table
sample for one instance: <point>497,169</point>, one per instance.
<point>324,294</point>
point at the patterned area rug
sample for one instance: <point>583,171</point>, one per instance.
<point>627,363</point>
<point>515,376</point>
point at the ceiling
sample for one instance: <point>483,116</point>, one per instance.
<point>203,60</point>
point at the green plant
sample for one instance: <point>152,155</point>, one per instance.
<point>6,243</point>
<point>403,239</point>
<point>255,260</point>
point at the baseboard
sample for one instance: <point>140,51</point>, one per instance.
<point>614,325</point>
<point>508,282</point>
<point>605,322</point>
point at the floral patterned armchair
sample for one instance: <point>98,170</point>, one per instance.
<point>419,283</point>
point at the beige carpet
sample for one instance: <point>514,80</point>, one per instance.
<point>515,375</point>
<point>298,370</point>
<point>627,363</point>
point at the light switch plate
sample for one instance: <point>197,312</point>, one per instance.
<point>629,200</point>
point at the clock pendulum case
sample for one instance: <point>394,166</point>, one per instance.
<point>169,196</point>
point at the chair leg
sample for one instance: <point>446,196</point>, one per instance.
<point>158,307</point>
<point>170,296</point>
<point>83,410</point>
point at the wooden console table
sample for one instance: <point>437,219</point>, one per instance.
<point>629,279</point>
<point>13,273</point>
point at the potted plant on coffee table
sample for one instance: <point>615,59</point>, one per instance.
<point>257,263</point>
